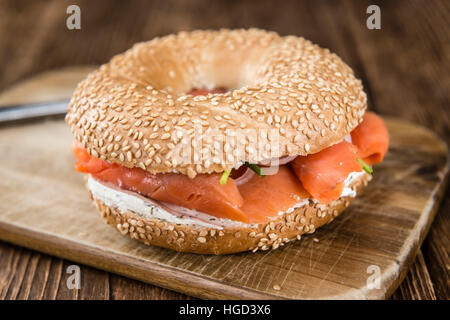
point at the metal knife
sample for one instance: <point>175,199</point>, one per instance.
<point>12,113</point>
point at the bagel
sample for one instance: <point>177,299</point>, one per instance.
<point>127,111</point>
<point>145,136</point>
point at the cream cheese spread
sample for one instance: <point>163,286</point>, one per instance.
<point>124,200</point>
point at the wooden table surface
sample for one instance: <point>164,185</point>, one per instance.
<point>404,67</point>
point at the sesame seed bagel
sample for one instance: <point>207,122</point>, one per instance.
<point>135,109</point>
<point>204,240</point>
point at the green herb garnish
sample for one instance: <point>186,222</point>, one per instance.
<point>255,168</point>
<point>366,167</point>
<point>224,178</point>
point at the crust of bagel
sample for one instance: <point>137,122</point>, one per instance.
<point>203,240</point>
<point>128,111</point>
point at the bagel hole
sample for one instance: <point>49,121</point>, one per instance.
<point>204,92</point>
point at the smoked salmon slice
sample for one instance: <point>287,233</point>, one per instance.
<point>203,193</point>
<point>320,175</point>
<point>252,202</point>
<point>85,163</point>
<point>323,174</point>
<point>267,196</point>
<point>371,138</point>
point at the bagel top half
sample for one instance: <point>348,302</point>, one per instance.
<point>130,110</point>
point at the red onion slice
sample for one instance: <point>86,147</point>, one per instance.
<point>175,209</point>
<point>183,212</point>
<point>281,161</point>
<point>287,159</point>
<point>248,174</point>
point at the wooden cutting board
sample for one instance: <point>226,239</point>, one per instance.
<point>44,206</point>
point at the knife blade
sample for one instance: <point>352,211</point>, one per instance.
<point>28,111</point>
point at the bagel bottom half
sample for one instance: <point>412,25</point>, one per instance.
<point>205,240</point>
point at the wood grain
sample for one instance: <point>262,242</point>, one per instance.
<point>416,282</point>
<point>27,274</point>
<point>436,253</point>
<point>404,67</point>
<point>46,208</point>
